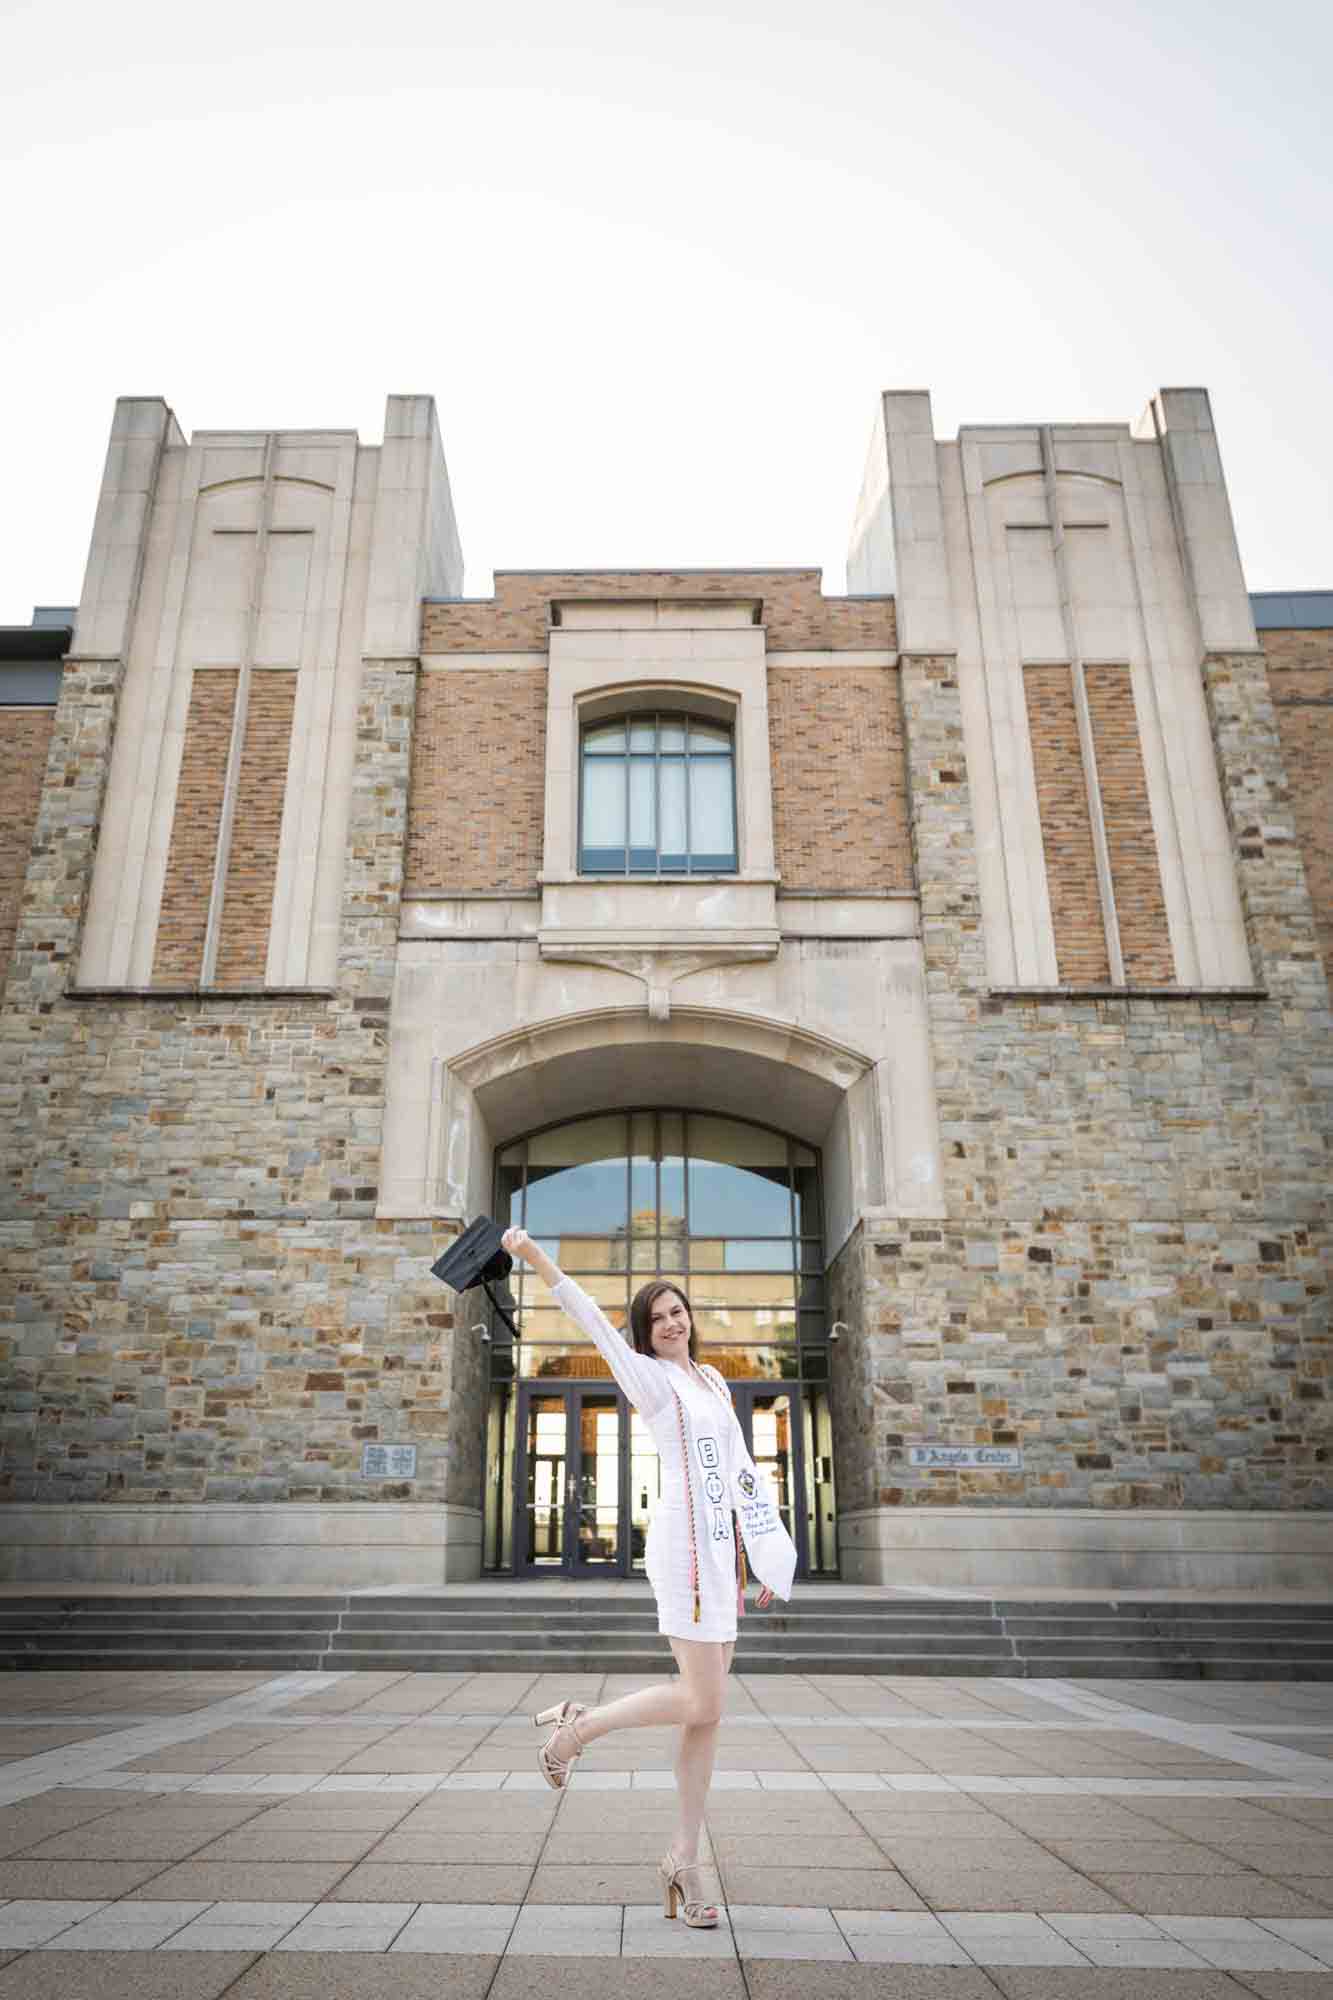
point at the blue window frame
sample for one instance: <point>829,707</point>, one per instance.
<point>657,796</point>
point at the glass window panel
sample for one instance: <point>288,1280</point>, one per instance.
<point>709,737</point>
<point>643,734</point>
<point>738,1179</point>
<point>509,1191</point>
<point>603,802</point>
<point>770,1289</point>
<point>672,1142</point>
<point>576,1178</point>
<point>743,1326</point>
<point>671,795</point>
<point>563,1363</point>
<point>805,1174</point>
<point>670,733</point>
<point>607,737</point>
<point>643,1178</point>
<point>749,1364</point>
<point>712,819</point>
<point>741,1253</point>
<point>609,1288</point>
<point>642,832</point>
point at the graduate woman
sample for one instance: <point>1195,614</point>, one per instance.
<point>695,1560</point>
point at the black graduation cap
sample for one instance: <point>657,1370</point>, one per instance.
<point>474,1259</point>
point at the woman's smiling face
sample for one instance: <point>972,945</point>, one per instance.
<point>670,1327</point>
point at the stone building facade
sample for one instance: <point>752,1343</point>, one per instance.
<point>1009,967</point>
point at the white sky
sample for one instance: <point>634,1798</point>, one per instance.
<point>655,261</point>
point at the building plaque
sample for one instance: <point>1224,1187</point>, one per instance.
<point>966,1457</point>
<point>388,1461</point>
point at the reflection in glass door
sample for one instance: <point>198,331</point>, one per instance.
<point>767,1419</point>
<point>568,1481</point>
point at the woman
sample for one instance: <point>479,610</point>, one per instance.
<point>694,1561</point>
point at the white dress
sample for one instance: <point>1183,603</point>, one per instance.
<point>673,1400</point>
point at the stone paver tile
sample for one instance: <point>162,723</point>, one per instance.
<point>1144,1857</point>
<point>477,1928</point>
<point>239,1927</point>
<point>123,1975</point>
<point>589,1930</point>
<point>571,1848</point>
<point>321,1975</point>
<point>471,1844</point>
<point>348,1927</point>
<point>264,1844</point>
<point>899,1937</point>
<point>1160,1954</point>
<point>130,1926</point>
<point>648,1934</point>
<point>756,1850</point>
<point>957,1887</point>
<point>1312,1934</point>
<point>24,1923</point>
<point>596,1882</point>
<point>1195,1895</point>
<point>103,1842</point>
<point>1009,1938</point>
<point>545,1976</point>
<point>752,1944</point>
<point>774,1979</point>
<point>433,1882</point>
<point>1112,1983</point>
<point>97,1881</point>
<point>244,1881</point>
<point>845,1888</point>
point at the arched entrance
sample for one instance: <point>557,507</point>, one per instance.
<point>733,1211</point>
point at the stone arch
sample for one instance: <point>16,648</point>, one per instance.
<point>819,1090</point>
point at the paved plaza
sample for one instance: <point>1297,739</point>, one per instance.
<point>386,1836</point>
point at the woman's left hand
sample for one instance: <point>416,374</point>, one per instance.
<point>764,1599</point>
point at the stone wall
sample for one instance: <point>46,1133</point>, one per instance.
<point>1131,1286</point>
<point>839,779</point>
<point>25,738</point>
<point>199,1303</point>
<point>1300,680</point>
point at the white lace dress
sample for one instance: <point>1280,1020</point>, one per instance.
<point>689,1414</point>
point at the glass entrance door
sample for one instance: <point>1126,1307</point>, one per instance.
<point>768,1420</point>
<point>568,1478</point>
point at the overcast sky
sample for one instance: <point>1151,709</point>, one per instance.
<point>655,261</point>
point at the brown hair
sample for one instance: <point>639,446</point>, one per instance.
<point>641,1315</point>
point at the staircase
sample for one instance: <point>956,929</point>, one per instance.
<point>503,1627</point>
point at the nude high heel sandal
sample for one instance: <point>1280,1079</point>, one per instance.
<point>699,1916</point>
<point>565,1715</point>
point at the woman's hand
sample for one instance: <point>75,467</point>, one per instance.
<point>764,1599</point>
<point>519,1244</point>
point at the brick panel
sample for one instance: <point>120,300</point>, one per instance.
<point>796,615</point>
<point>1300,677</point>
<point>839,778</point>
<point>1145,942</point>
<point>1066,828</point>
<point>252,865</point>
<point>178,956</point>
<point>25,738</point>
<point>477,802</point>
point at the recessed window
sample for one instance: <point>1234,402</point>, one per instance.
<point>658,797</point>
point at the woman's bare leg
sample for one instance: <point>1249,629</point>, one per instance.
<point>706,1668</point>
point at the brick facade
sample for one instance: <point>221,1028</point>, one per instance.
<point>839,779</point>
<point>1136,878</point>
<point>796,615</point>
<point>1300,680</point>
<point>478,780</point>
<point>178,956</point>
<point>1066,828</point>
<point>25,738</point>
<point>252,862</point>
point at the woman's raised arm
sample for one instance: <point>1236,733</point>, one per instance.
<point>642,1378</point>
